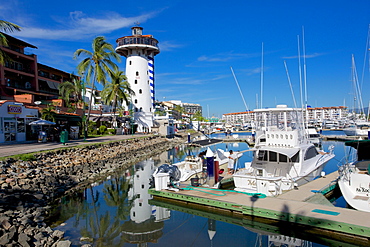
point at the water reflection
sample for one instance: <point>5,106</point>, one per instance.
<point>119,211</point>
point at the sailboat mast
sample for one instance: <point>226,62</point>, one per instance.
<point>240,91</point>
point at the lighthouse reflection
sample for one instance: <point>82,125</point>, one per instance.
<point>146,221</point>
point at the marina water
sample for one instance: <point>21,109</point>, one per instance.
<point>118,211</point>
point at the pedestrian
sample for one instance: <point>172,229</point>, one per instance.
<point>231,162</point>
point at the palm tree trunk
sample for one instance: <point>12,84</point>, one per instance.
<point>114,111</point>
<point>89,110</point>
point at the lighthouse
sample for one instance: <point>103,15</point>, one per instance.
<point>139,51</point>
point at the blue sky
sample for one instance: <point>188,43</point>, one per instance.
<point>201,40</point>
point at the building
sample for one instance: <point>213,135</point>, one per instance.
<point>26,82</point>
<point>139,51</point>
<point>14,120</point>
<point>318,114</point>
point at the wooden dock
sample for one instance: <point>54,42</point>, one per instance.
<point>297,208</point>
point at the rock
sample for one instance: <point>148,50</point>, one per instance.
<point>57,234</point>
<point>4,239</point>
<point>5,224</point>
<point>65,243</point>
<point>23,240</point>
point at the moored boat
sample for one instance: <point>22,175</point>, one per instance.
<point>284,158</point>
<point>354,177</point>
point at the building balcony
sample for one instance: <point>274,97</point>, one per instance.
<point>16,67</point>
<point>20,85</point>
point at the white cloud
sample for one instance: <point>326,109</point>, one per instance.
<point>307,56</point>
<point>80,26</point>
<point>224,57</point>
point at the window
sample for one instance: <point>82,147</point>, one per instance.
<point>283,158</point>
<point>295,158</point>
<point>130,62</point>
<point>310,153</point>
<point>135,101</point>
<point>137,73</point>
<point>262,155</point>
<point>273,156</point>
<point>135,81</point>
<point>140,91</point>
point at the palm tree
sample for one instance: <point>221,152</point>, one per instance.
<point>48,113</point>
<point>72,89</point>
<point>116,91</point>
<point>6,26</point>
<point>96,65</point>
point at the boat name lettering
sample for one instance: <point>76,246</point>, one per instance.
<point>362,189</point>
<point>252,182</point>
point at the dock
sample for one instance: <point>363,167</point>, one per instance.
<point>298,209</point>
<point>342,138</point>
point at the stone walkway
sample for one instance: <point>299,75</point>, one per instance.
<point>29,147</point>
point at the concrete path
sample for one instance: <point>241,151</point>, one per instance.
<point>29,147</point>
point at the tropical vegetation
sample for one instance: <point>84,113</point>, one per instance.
<point>48,113</point>
<point>72,89</point>
<point>96,65</point>
<point>116,91</point>
<point>6,26</point>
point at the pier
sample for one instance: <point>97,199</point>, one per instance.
<point>304,208</point>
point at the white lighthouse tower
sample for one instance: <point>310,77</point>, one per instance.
<point>140,50</point>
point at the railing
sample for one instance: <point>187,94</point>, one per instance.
<point>142,40</point>
<point>20,85</point>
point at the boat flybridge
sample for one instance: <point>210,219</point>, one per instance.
<point>284,158</point>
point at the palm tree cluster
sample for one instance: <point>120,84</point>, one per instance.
<point>98,67</point>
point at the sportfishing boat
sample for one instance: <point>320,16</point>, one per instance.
<point>283,158</point>
<point>354,177</point>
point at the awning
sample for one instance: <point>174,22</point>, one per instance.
<point>53,85</point>
<point>290,152</point>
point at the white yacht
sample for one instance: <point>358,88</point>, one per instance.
<point>284,158</point>
<point>358,128</point>
<point>354,178</point>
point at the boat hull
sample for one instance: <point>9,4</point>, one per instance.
<point>272,186</point>
<point>355,189</point>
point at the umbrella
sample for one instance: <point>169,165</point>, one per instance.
<point>42,122</point>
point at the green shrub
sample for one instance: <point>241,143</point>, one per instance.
<point>91,128</point>
<point>103,129</point>
<point>112,131</point>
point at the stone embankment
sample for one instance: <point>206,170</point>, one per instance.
<point>28,187</point>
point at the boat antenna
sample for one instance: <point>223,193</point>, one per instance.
<point>300,72</point>
<point>240,91</point>
<point>261,78</point>
<point>290,84</point>
<point>367,49</point>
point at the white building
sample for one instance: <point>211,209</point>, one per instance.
<point>320,114</point>
<point>14,120</point>
<point>140,50</point>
